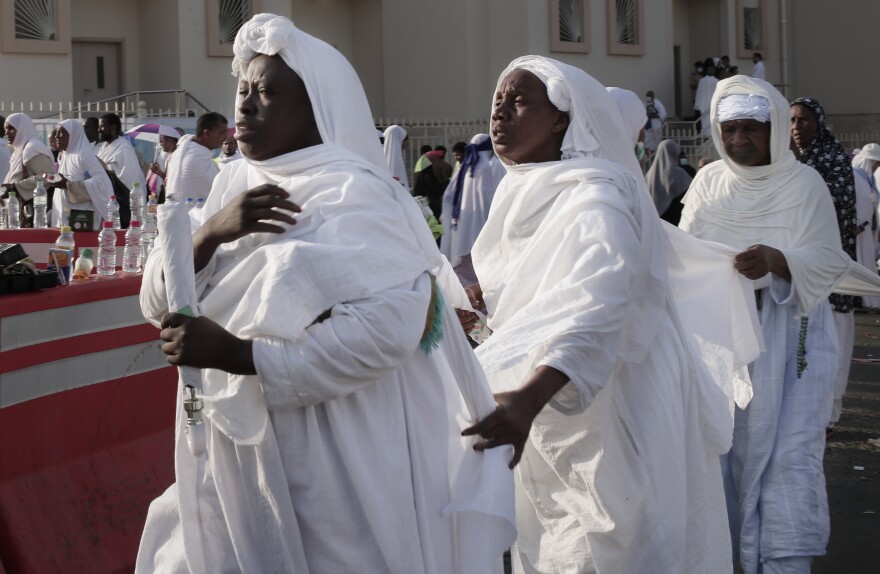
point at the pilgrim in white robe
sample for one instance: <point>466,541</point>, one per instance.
<point>620,472</point>
<point>478,186</point>
<point>774,478</point>
<point>191,170</point>
<point>343,453</point>
<point>88,186</point>
<point>654,131</point>
<point>394,138</point>
<point>119,156</point>
<point>703,102</point>
<point>30,158</point>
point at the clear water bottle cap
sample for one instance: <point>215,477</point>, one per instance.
<point>113,197</point>
<point>11,194</point>
<point>107,225</point>
<point>65,229</point>
<point>135,224</point>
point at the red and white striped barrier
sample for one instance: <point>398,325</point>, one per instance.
<point>86,426</point>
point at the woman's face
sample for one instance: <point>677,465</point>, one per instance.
<point>526,127</point>
<point>803,125</point>
<point>63,138</point>
<point>274,114</point>
<point>10,132</point>
<point>167,144</point>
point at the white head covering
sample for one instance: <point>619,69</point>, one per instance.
<point>26,145</point>
<point>632,110</point>
<point>598,119</point>
<point>785,204</point>
<point>666,179</point>
<point>866,157</point>
<point>596,148</point>
<point>394,136</point>
<point>744,107</point>
<point>79,163</point>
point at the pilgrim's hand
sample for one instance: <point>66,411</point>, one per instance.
<point>467,319</point>
<point>509,423</point>
<point>512,419</point>
<point>201,343</point>
<point>251,212</point>
<point>758,260</point>
<point>475,295</point>
<point>60,183</point>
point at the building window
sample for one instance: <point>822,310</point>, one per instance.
<point>35,26</point>
<point>225,17</point>
<point>569,26</point>
<point>625,27</point>
<point>751,28</point>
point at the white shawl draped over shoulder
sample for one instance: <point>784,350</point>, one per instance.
<point>575,269</point>
<point>26,145</point>
<point>360,235</point>
<point>785,205</point>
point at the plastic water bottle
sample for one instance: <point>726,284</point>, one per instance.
<point>66,240</point>
<point>113,213</point>
<point>41,200</point>
<point>149,232</point>
<point>136,200</point>
<point>190,204</point>
<point>2,215</point>
<point>152,207</point>
<point>107,249</point>
<point>200,203</point>
<point>131,255</point>
<point>13,214</point>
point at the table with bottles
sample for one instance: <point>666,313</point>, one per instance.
<point>36,242</point>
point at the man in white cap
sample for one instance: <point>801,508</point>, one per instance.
<point>778,212</point>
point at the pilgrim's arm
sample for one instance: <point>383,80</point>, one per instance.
<point>758,260</point>
<point>358,344</point>
<point>36,167</point>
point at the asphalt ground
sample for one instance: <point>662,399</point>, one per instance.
<point>852,464</point>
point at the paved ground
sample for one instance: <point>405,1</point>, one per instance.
<point>853,494</point>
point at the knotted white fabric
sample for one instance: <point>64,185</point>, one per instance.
<point>79,163</point>
<point>26,145</point>
<point>743,107</point>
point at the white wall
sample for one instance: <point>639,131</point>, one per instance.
<point>35,77</point>
<point>159,48</point>
<point>111,20</point>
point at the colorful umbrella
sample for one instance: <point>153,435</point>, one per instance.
<point>151,132</point>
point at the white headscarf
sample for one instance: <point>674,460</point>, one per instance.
<point>632,110</point>
<point>785,204</point>
<point>394,136</point>
<point>666,179</point>
<point>26,145</point>
<point>866,157</point>
<point>596,148</point>
<point>79,163</point>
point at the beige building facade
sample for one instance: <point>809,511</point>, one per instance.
<point>440,60</point>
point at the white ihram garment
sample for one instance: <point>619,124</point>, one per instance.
<point>191,170</point>
<point>573,265</point>
<point>119,156</point>
<point>773,474</point>
<point>703,101</point>
<point>343,454</point>
<point>79,163</point>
